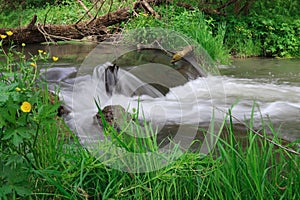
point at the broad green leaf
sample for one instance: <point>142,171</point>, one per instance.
<point>17,140</point>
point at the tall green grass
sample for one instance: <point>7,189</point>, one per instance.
<point>254,169</point>
<point>250,169</point>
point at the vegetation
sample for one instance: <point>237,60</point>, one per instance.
<point>198,29</point>
<point>242,28</point>
<point>269,29</point>
<point>41,159</point>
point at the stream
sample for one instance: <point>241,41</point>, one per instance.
<point>272,84</point>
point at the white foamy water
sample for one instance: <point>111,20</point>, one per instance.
<point>191,103</point>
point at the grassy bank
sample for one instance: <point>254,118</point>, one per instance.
<point>265,29</point>
<point>40,158</point>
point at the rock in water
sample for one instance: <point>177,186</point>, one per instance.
<point>111,78</point>
<point>114,115</point>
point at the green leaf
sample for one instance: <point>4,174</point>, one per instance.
<point>17,140</point>
<point>8,134</point>
<point>4,190</point>
<point>3,97</point>
<point>22,190</point>
<point>9,113</point>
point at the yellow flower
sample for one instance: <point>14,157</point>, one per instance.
<point>40,51</point>
<point>54,58</point>
<point>26,106</point>
<point>18,89</point>
<point>3,36</point>
<point>9,33</point>
<point>23,44</point>
<point>33,64</point>
<point>45,53</point>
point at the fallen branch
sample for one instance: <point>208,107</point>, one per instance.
<point>85,8</point>
<point>32,22</point>
<point>149,9</point>
<point>96,26</point>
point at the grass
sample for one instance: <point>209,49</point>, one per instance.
<point>66,12</point>
<point>234,171</point>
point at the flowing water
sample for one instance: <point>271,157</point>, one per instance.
<point>272,85</point>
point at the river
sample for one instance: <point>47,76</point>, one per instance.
<point>273,84</point>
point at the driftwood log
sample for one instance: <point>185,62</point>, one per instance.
<point>37,33</point>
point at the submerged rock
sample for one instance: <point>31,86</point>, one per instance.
<point>115,115</point>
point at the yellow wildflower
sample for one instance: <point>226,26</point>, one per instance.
<point>18,89</point>
<point>26,106</point>
<point>45,53</point>
<point>40,51</point>
<point>9,33</point>
<point>32,64</point>
<point>3,36</point>
<point>54,58</point>
<point>23,44</point>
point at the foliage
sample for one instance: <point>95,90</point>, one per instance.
<point>51,14</point>
<point>267,29</point>
<point>275,36</point>
<point>250,28</point>
<point>26,111</point>
<point>190,23</point>
<point>59,12</point>
<point>11,5</point>
<point>41,159</point>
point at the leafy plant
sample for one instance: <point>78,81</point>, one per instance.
<point>25,110</point>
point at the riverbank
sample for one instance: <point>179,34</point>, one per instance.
<point>255,33</point>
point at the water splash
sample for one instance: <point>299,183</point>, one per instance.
<point>278,103</point>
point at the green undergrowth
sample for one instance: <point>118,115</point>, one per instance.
<point>265,29</point>
<point>259,35</point>
<point>56,12</point>
<point>190,23</point>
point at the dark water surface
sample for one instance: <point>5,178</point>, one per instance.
<point>278,71</point>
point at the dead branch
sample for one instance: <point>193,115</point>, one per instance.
<point>226,4</point>
<point>85,8</point>
<point>97,27</point>
<point>185,5</point>
<point>89,11</point>
<point>149,9</point>
<point>32,22</point>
